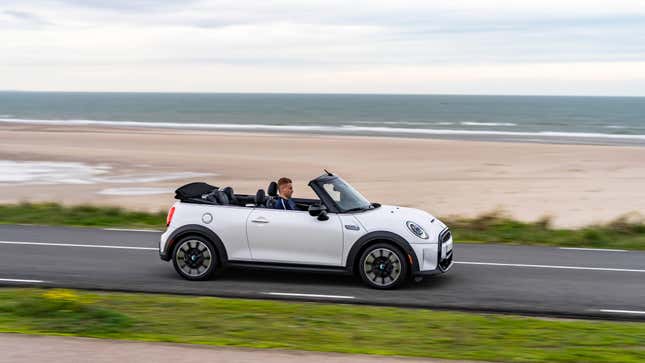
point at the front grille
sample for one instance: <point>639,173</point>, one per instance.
<point>444,264</point>
<point>445,235</point>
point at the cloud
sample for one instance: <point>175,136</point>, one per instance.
<point>126,5</point>
<point>330,38</point>
<point>20,19</point>
<point>20,14</point>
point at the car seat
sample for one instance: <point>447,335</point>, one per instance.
<point>231,195</point>
<point>272,192</point>
<point>221,197</point>
<point>260,198</point>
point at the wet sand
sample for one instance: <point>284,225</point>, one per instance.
<point>575,184</point>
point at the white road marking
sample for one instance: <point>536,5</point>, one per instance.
<point>592,249</point>
<point>21,280</point>
<point>132,230</point>
<point>77,245</point>
<point>309,295</point>
<point>622,311</point>
<point>550,266</point>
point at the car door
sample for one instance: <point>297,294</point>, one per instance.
<point>295,237</point>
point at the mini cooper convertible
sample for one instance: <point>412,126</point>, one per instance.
<point>211,228</point>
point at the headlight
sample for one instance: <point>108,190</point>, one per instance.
<point>416,230</point>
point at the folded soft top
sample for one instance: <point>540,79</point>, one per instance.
<point>194,190</point>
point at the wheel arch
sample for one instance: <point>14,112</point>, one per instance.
<point>197,230</point>
<point>379,237</point>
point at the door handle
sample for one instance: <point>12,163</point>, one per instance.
<point>259,220</point>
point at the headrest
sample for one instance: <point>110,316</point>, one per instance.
<point>260,197</point>
<point>272,190</point>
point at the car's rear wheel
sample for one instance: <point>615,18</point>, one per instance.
<point>383,266</point>
<point>195,258</point>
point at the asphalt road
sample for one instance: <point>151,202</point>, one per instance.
<point>492,278</point>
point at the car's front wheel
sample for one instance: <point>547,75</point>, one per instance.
<point>195,258</point>
<point>383,266</point>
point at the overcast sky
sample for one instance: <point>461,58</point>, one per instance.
<point>474,47</point>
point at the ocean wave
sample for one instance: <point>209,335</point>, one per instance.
<point>324,129</point>
<point>416,123</point>
<point>557,134</point>
<point>407,123</point>
<point>615,127</point>
<point>169,125</point>
<point>473,123</point>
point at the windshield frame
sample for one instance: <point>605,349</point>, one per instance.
<point>330,203</point>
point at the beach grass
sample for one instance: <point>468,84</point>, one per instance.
<point>627,232</point>
<point>318,327</point>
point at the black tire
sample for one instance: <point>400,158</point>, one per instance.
<point>195,258</point>
<point>383,266</point>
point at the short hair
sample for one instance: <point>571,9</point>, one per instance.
<point>282,181</point>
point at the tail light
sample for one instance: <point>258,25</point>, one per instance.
<point>171,213</point>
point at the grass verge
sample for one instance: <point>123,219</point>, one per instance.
<point>54,214</point>
<point>627,232</point>
<point>318,327</point>
<point>624,233</point>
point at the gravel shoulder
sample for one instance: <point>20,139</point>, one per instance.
<point>17,348</point>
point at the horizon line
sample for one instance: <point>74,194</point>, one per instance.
<point>329,93</point>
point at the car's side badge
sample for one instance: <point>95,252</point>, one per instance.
<point>352,227</point>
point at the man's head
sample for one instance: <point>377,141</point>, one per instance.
<point>285,188</point>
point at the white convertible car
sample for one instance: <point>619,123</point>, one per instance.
<point>210,228</point>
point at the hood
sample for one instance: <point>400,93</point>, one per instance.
<point>393,219</point>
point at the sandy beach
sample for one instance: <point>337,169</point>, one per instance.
<point>574,184</point>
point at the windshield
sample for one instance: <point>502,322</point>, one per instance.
<point>344,195</point>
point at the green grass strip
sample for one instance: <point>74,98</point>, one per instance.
<point>318,327</point>
<point>54,214</point>
<point>627,232</point>
<point>624,233</point>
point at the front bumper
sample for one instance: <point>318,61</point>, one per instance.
<point>434,259</point>
<point>444,266</point>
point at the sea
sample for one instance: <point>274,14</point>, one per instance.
<point>542,119</point>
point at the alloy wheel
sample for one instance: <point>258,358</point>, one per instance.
<point>382,267</point>
<point>194,258</point>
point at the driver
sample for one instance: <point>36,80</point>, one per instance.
<point>285,190</point>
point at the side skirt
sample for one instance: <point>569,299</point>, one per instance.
<point>288,267</point>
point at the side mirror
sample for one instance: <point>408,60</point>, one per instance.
<point>323,216</point>
<point>318,210</point>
